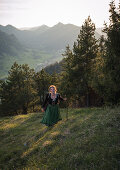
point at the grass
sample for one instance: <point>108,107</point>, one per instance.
<point>88,140</point>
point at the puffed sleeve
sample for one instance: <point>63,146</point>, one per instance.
<point>45,101</point>
<point>60,97</point>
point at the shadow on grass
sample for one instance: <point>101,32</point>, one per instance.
<point>26,146</point>
<point>39,138</point>
<point>22,121</point>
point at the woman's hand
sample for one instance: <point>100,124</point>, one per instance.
<point>42,110</point>
<point>65,99</point>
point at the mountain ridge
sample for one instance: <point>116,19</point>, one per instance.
<point>36,37</point>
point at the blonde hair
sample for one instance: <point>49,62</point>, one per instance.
<point>53,87</point>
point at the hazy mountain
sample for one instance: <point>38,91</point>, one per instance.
<point>24,36</point>
<point>54,68</point>
<point>46,38</point>
<point>25,28</point>
<point>10,48</point>
<point>9,29</point>
<point>9,44</point>
<point>41,28</point>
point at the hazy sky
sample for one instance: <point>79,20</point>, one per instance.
<point>30,13</point>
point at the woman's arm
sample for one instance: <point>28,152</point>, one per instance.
<point>46,100</point>
<point>61,98</point>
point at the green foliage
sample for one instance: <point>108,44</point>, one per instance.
<point>18,91</point>
<point>92,67</point>
<point>110,55</point>
<point>43,81</point>
<point>78,63</point>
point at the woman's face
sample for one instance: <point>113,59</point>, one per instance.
<point>52,90</point>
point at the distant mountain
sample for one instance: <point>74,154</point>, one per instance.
<point>9,44</point>
<point>25,28</point>
<point>10,48</point>
<point>9,29</point>
<point>46,38</point>
<point>58,36</point>
<point>40,28</point>
<point>54,68</point>
<point>24,36</point>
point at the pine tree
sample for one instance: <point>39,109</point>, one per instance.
<point>43,81</point>
<point>80,61</point>
<point>66,87</point>
<point>98,77</point>
<point>112,58</point>
<point>55,79</point>
<point>18,90</point>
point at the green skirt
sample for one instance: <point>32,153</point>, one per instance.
<point>52,115</point>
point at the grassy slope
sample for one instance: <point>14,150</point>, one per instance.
<point>88,140</point>
<point>31,57</point>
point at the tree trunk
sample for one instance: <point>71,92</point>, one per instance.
<point>33,108</point>
<point>24,109</point>
<point>40,99</point>
<point>87,100</point>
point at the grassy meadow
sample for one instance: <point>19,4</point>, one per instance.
<point>88,140</point>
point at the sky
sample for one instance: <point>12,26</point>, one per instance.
<point>31,13</point>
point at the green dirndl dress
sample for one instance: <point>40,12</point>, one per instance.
<point>52,115</point>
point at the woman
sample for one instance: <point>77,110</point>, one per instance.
<point>51,108</point>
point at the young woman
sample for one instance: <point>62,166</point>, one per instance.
<point>51,108</point>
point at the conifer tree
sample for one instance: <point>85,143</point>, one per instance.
<point>55,79</point>
<point>80,61</point>
<point>98,77</point>
<point>18,90</point>
<point>66,87</point>
<point>112,57</point>
<point>42,80</point>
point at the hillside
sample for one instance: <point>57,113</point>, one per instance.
<point>9,44</point>
<point>89,139</point>
<point>10,48</point>
<point>55,67</point>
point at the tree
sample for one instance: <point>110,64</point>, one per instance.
<point>65,76</point>
<point>42,80</point>
<point>112,57</point>
<point>98,77</point>
<point>80,61</point>
<point>55,79</point>
<point>18,90</point>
